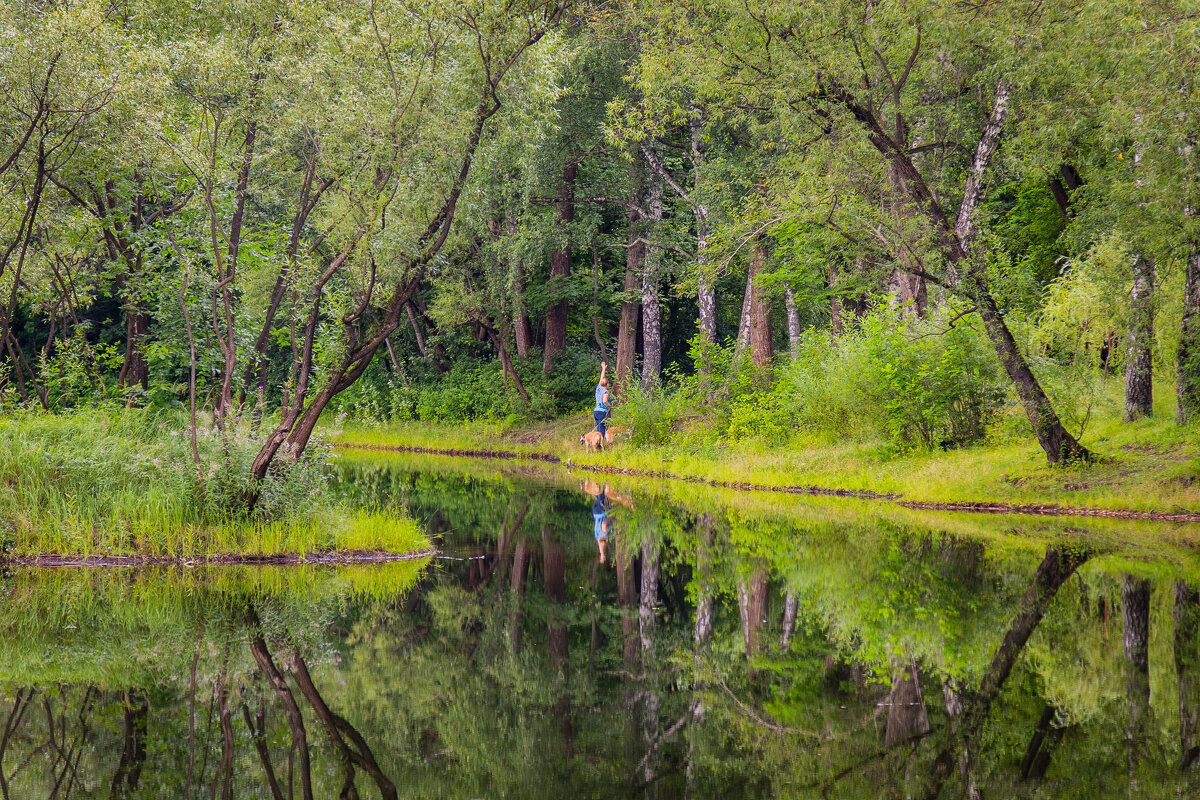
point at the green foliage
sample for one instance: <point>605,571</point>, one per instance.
<point>474,390</point>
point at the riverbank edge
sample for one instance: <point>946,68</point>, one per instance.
<point>965,506</point>
<point>325,558</point>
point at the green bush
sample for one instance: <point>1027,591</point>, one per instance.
<point>651,415</point>
<point>917,384</point>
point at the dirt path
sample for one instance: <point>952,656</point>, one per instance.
<point>332,557</point>
<point>1047,510</point>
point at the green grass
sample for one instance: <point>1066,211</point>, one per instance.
<point>108,484</point>
<point>1151,465</point>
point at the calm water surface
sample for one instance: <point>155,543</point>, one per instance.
<point>728,646</point>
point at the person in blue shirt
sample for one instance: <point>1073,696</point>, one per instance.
<point>602,397</point>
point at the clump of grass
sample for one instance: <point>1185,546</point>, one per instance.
<point>121,483</point>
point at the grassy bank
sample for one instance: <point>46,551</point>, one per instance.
<point>1151,465</point>
<point>125,484</point>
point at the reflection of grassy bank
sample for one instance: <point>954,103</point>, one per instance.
<point>1152,465</point>
<point>141,627</point>
<point>127,484</point>
<point>797,515</point>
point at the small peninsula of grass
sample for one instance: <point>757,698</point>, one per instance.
<point>120,485</point>
<point>1149,466</point>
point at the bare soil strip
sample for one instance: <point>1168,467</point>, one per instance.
<point>434,451</point>
<point>330,557</point>
<point>1045,510</point>
<point>1052,510</point>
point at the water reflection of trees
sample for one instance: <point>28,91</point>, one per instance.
<point>719,653</point>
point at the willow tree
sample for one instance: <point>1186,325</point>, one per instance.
<point>912,99</point>
<point>425,81</point>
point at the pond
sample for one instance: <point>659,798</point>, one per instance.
<point>728,645</point>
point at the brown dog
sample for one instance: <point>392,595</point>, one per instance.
<point>591,439</point>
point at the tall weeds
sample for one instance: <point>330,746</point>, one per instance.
<point>126,482</point>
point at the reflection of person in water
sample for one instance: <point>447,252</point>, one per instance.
<point>600,520</point>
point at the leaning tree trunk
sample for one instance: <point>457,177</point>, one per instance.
<point>1058,444</point>
<point>955,238</point>
<point>135,371</point>
<point>554,574</point>
<point>1139,374</point>
<point>1187,357</point>
<point>1051,574</point>
<point>560,269</point>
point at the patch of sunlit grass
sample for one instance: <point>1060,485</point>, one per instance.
<point>1150,465</point>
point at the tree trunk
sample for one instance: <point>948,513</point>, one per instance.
<point>635,258</point>
<point>752,608</point>
<point>836,325</point>
<point>1135,615</point>
<point>651,274</point>
<point>648,603</point>
<point>791,605</point>
<point>560,269</point>
<point>1139,387</point>
<point>1036,760</point>
<point>295,719</point>
<point>1187,357</point>
<point>1058,444</point>
<point>352,748</point>
<point>743,334</point>
<point>760,311</point>
<point>519,574</point>
<point>908,288</point>
<point>134,371</point>
<point>521,329</point>
<point>706,295</point>
<point>497,338</point>
<point>955,242</point>
<point>907,715</point>
<point>793,322</point>
<point>647,609</point>
<point>309,197</point>
<point>1187,622</point>
<point>555,575</point>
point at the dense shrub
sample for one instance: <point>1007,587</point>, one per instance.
<point>918,384</point>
